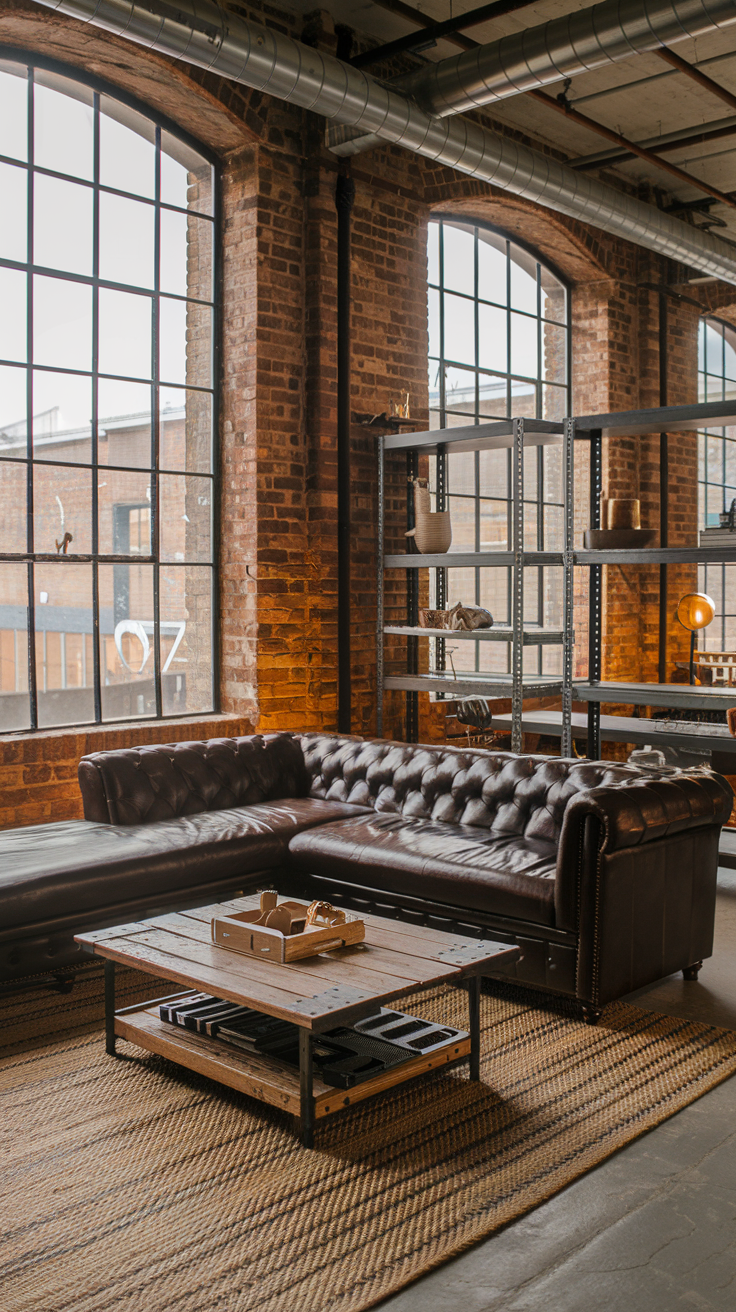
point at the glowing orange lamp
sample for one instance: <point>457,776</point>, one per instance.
<point>695,611</point>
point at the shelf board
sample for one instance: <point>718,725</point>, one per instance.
<point>659,556</point>
<point>477,437</point>
<point>469,559</point>
<point>657,694</point>
<point>264,1078</point>
<point>665,419</point>
<point>620,729</point>
<point>499,633</point>
<point>469,684</point>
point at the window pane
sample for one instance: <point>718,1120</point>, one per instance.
<point>492,397</point>
<point>523,281</point>
<point>460,390</point>
<point>185,332</point>
<point>62,416</point>
<point>730,353</point>
<point>15,709</point>
<point>433,319</point>
<point>62,510</point>
<point>554,297</point>
<point>127,149</point>
<point>459,258</point>
<point>492,267</point>
<point>124,430</point>
<point>13,285</point>
<point>186,255</point>
<point>186,639</point>
<point>13,527</point>
<point>186,178</point>
<point>127,229</point>
<point>62,323</point>
<point>433,253</point>
<point>13,111</point>
<point>554,403</point>
<point>126,641</point>
<point>713,348</point>
<point>124,513</point>
<point>492,347</point>
<point>185,517</point>
<point>125,334</point>
<point>63,125</point>
<point>461,472</point>
<point>62,225</point>
<point>64,672</point>
<point>493,477</point>
<point>459,329</point>
<point>13,423</point>
<point>524,351</point>
<point>523,399</point>
<point>494,521</point>
<point>13,211</point>
<point>554,353</point>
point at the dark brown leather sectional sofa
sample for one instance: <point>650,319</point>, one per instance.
<point>603,873</point>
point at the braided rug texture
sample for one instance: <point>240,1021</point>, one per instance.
<point>132,1185</point>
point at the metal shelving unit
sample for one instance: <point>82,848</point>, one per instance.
<point>515,435</point>
<point>674,419</point>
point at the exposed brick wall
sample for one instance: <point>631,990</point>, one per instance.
<point>278,553</point>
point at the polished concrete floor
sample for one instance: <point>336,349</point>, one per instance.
<point>651,1230</point>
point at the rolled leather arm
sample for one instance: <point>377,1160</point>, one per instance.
<point>617,816</point>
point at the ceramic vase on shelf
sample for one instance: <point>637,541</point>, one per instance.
<point>432,531</point>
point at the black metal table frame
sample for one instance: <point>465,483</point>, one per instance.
<point>471,982</point>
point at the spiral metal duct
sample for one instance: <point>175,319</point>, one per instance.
<point>200,32</point>
<point>563,47</point>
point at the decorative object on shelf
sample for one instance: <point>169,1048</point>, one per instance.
<point>458,619</point>
<point>399,409</point>
<point>731,717</point>
<point>648,757</point>
<point>286,931</point>
<point>432,530</point>
<point>620,527</point>
<point>475,713</point>
<point>695,610</point>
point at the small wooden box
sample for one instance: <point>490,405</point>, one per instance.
<point>241,932</point>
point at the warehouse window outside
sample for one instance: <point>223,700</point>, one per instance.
<point>717,475</point>
<point>107,408</point>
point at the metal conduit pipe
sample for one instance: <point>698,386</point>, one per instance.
<point>564,47</point>
<point>199,32</point>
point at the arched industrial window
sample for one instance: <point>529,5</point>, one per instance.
<point>717,474</point>
<point>499,347</point>
<point>107,254</point>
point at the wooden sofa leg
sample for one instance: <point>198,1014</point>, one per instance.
<point>691,972</point>
<point>591,1015</point>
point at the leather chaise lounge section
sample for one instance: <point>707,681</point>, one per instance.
<point>603,873</point>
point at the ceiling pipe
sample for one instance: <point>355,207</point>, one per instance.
<point>199,32</point>
<point>562,48</point>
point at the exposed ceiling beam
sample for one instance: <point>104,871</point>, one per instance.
<point>645,81</point>
<point>695,74</point>
<point>694,136</point>
<point>425,20</point>
<point>434,31</point>
<point>560,107</point>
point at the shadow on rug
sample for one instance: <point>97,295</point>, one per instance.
<point>133,1183</point>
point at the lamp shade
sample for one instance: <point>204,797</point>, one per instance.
<point>695,610</point>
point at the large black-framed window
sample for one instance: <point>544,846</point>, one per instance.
<point>717,475</point>
<point>108,255</point>
<point>499,347</point>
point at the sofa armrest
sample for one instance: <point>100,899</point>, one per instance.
<point>615,817</point>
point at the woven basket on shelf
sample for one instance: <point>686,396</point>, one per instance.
<point>433,530</point>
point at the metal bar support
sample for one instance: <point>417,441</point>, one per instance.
<point>412,608</point>
<point>380,547</point>
<point>110,1008</point>
<point>306,1092</point>
<point>517,607</point>
<point>595,595</point>
<point>567,583</point>
<point>474,1025</point>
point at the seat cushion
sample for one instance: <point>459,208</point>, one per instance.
<point>461,865</point>
<point>80,866</point>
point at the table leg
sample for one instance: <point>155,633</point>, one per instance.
<point>306,1089</point>
<point>474,1025</point>
<point>110,1008</point>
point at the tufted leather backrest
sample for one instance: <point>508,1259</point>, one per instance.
<point>138,785</point>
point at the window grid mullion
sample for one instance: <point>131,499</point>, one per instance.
<point>96,627</point>
<point>32,665</point>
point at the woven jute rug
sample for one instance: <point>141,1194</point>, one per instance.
<point>134,1185</point>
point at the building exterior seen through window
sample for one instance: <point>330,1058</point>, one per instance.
<point>717,475</point>
<point>107,243</point>
<point>499,347</point>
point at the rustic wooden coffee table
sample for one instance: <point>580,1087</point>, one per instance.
<point>316,994</point>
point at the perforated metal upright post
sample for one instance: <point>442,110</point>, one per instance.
<point>595,597</point>
<point>412,608</point>
<point>517,604</point>
<point>568,464</point>
<point>441,574</point>
<point>380,535</point>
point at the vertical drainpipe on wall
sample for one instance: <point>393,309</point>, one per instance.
<point>344,197</point>
<point>663,483</point>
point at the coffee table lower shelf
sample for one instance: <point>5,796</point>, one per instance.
<point>261,1077</point>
